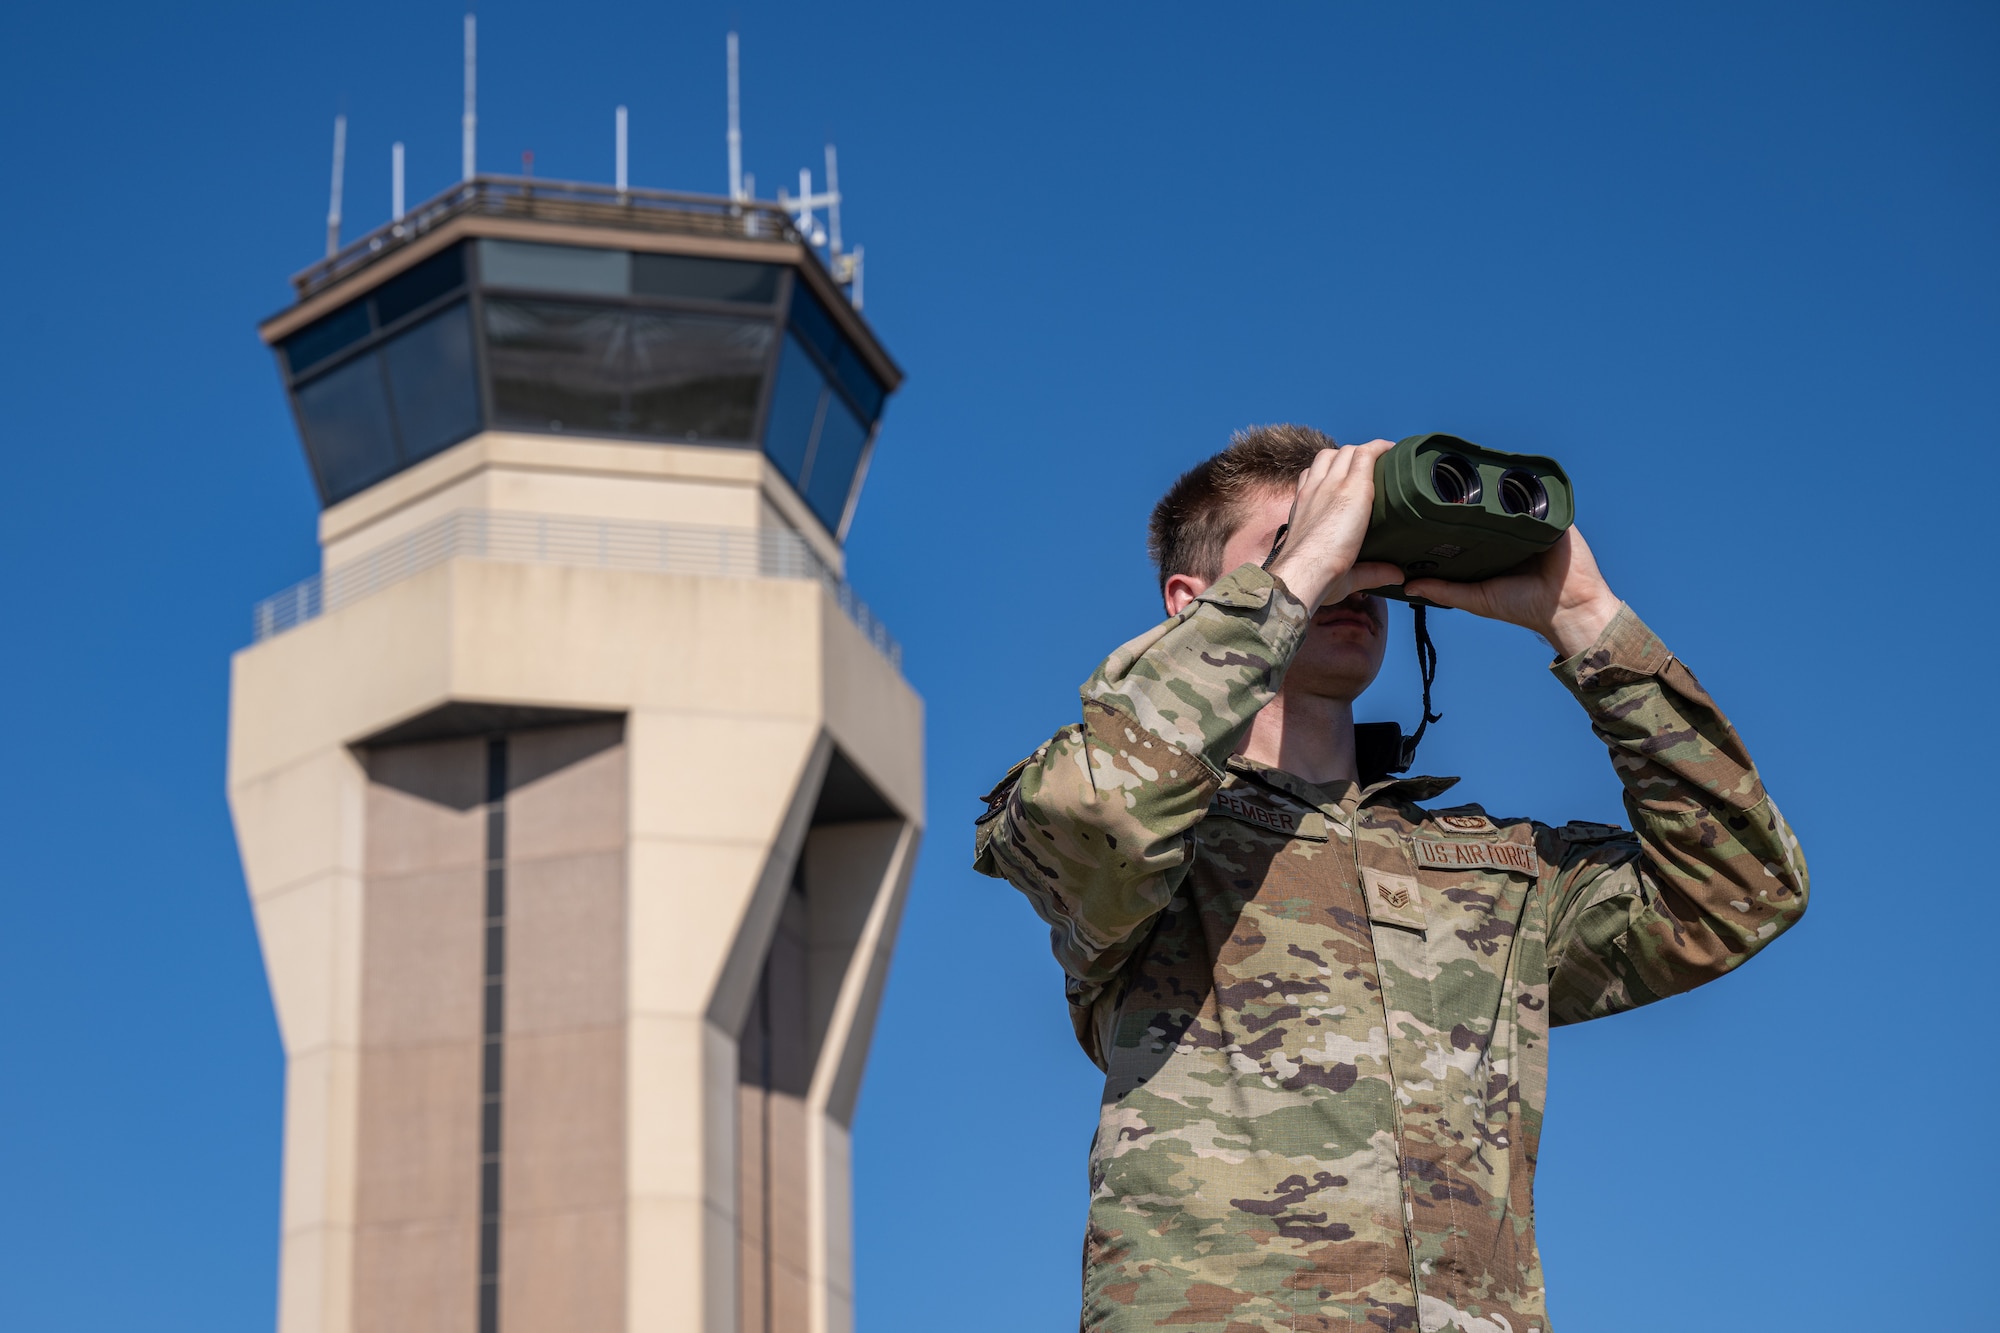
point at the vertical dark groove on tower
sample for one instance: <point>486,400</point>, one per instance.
<point>493,1035</point>
<point>765,1072</point>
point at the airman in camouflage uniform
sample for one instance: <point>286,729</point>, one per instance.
<point>1323,1008</point>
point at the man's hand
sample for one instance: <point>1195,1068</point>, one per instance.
<point>1329,518</point>
<point>1559,595</point>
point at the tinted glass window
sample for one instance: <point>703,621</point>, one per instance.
<point>558,366</point>
<point>812,321</point>
<point>348,435</point>
<point>695,376</point>
<point>419,286</point>
<point>795,409</point>
<point>574,269</point>
<point>816,326</point>
<point>555,366</point>
<point>836,455</point>
<point>431,384</point>
<point>863,389</point>
<point>704,279</point>
<point>324,336</point>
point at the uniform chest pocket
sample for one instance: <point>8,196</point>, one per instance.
<point>1450,878</point>
<point>1477,890</point>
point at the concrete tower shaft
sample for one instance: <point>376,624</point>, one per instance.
<point>577,794</point>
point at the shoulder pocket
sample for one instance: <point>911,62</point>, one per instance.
<point>996,800</point>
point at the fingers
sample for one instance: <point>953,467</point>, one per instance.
<point>1373,574</point>
<point>1443,592</point>
<point>1357,463</point>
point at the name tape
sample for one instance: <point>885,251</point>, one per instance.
<point>1514,856</point>
<point>1255,812</point>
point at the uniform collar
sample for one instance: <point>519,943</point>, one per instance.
<point>1413,789</point>
<point>1330,799</point>
<point>1338,796</point>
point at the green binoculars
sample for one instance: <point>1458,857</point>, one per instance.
<point>1446,508</point>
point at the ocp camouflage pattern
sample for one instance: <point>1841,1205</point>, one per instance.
<point>1323,1012</point>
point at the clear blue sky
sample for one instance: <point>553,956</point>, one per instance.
<point>1734,263</point>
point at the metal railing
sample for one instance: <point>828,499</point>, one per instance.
<point>671,548</point>
<point>557,201</point>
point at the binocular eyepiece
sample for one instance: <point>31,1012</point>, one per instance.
<point>1447,508</point>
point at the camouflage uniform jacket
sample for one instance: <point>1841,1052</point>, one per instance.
<point>1324,1011</point>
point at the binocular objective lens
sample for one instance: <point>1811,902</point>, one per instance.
<point>1523,493</point>
<point>1455,480</point>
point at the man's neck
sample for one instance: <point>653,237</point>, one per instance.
<point>1308,736</point>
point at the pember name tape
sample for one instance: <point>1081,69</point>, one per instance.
<point>1256,812</point>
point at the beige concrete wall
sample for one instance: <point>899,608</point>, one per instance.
<point>574,476</point>
<point>563,1124</point>
<point>300,836</point>
<point>416,1208</point>
<point>734,692</point>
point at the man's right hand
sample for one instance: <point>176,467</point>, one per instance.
<point>1329,519</point>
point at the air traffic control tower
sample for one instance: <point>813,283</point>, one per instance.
<point>576,794</point>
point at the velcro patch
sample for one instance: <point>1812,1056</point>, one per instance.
<point>1464,823</point>
<point>1520,858</point>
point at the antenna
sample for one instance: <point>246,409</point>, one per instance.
<point>833,202</point>
<point>621,150</point>
<point>845,264</point>
<point>735,130</point>
<point>803,205</point>
<point>396,181</point>
<point>469,123</point>
<point>339,172</point>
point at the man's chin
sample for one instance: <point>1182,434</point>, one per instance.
<point>1343,681</point>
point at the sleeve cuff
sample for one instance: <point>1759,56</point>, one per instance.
<point>1249,587</point>
<point>1625,652</point>
<point>1196,680</point>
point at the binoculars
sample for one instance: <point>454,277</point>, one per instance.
<point>1446,508</point>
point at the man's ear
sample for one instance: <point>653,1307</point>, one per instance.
<point>1182,589</point>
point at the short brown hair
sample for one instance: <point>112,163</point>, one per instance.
<point>1199,513</point>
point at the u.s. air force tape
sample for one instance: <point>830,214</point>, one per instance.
<point>1517,857</point>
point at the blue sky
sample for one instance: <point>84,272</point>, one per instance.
<point>1733,264</point>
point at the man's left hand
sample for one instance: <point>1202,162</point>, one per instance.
<point>1560,595</point>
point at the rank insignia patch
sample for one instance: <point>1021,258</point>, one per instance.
<point>1397,899</point>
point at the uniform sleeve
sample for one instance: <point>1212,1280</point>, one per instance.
<point>1096,826</point>
<point>1710,873</point>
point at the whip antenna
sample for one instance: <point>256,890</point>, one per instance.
<point>339,172</point>
<point>621,150</point>
<point>735,130</point>
<point>469,122</point>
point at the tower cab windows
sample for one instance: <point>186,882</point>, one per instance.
<point>533,336</point>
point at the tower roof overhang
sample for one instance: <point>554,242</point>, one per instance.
<point>573,213</point>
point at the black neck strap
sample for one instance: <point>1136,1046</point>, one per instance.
<point>1427,667</point>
